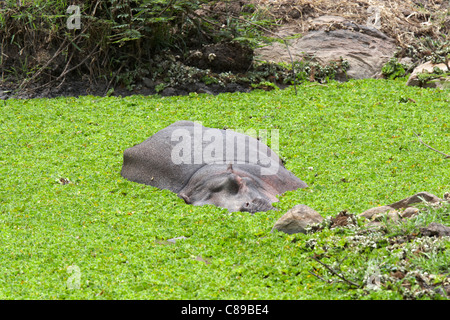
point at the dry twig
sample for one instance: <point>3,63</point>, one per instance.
<point>446,156</point>
<point>317,276</point>
<point>335,273</point>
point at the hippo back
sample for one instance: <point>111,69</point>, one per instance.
<point>150,161</point>
<point>169,158</point>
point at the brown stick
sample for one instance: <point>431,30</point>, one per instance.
<point>60,49</point>
<point>336,274</point>
<point>65,71</point>
<point>63,47</point>
<point>73,68</point>
<point>112,79</point>
<point>65,68</point>
<point>446,156</point>
<point>319,277</point>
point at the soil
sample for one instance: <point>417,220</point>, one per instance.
<point>405,21</point>
<point>75,88</point>
<point>221,57</point>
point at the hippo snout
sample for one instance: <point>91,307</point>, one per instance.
<point>257,205</point>
<point>184,197</point>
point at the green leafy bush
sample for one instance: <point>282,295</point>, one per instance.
<point>119,36</point>
<point>393,69</point>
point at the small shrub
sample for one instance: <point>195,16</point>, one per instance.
<point>393,69</point>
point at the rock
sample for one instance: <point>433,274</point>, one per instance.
<point>409,212</point>
<point>222,57</point>
<point>378,214</point>
<point>325,21</point>
<point>297,219</point>
<point>404,203</point>
<point>440,83</point>
<point>289,30</point>
<point>428,67</point>
<point>148,83</point>
<point>417,198</point>
<point>200,258</point>
<point>170,241</point>
<point>204,90</point>
<point>391,215</point>
<point>406,61</point>
<point>435,229</point>
<point>365,48</point>
<point>174,240</point>
<point>372,212</point>
<point>169,91</point>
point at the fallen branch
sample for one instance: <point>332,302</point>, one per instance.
<point>66,71</point>
<point>38,72</point>
<point>446,156</point>
<point>336,274</point>
<point>65,44</point>
<point>63,74</point>
<point>319,277</point>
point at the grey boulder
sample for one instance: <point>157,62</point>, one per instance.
<point>297,219</point>
<point>365,48</point>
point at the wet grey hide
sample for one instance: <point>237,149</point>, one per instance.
<point>210,166</point>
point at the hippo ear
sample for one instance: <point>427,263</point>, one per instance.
<point>235,181</point>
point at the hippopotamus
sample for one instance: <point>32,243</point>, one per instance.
<point>204,166</point>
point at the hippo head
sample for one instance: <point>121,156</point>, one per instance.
<point>235,190</point>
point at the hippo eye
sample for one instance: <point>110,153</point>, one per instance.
<point>217,189</point>
<point>247,204</point>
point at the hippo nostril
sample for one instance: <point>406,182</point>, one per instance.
<point>257,204</point>
<point>185,198</point>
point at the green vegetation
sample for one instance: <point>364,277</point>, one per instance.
<point>118,38</point>
<point>117,41</point>
<point>63,202</point>
<point>437,73</point>
<point>393,69</point>
<point>127,41</point>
